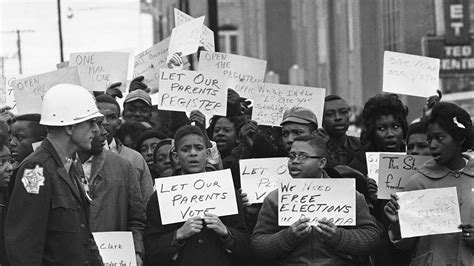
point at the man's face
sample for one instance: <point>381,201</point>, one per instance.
<point>100,136</point>
<point>137,111</point>
<point>83,133</point>
<point>21,141</point>
<point>111,120</point>
<point>336,117</point>
<point>192,153</point>
<point>292,130</point>
<point>309,168</point>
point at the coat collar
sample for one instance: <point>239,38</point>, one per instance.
<point>434,170</point>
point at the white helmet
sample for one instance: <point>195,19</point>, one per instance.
<point>67,104</point>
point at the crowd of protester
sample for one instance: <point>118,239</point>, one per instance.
<point>85,164</point>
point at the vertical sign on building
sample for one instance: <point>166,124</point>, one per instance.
<point>456,17</point>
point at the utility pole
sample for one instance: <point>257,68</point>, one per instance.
<point>61,52</point>
<point>18,33</point>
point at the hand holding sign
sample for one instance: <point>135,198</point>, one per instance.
<point>429,212</point>
<point>191,227</point>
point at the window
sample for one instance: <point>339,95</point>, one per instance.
<point>229,40</point>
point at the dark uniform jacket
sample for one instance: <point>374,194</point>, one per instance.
<point>47,219</point>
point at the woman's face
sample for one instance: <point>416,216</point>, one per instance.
<point>224,135</point>
<point>443,147</point>
<point>6,167</point>
<point>388,134</point>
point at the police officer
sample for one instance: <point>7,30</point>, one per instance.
<point>47,219</point>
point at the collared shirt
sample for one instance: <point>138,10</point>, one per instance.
<point>86,179</point>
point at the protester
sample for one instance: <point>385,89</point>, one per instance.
<point>417,144</point>
<point>112,186</point>
<point>47,219</point>
<point>6,172</point>
<point>112,123</point>
<point>161,158</point>
<point>447,129</point>
<point>302,243</point>
<point>137,107</point>
<point>129,131</point>
<point>146,144</point>
<point>25,131</point>
<point>336,116</point>
<point>210,240</point>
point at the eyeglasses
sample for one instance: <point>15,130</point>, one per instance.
<point>302,157</point>
<point>3,161</point>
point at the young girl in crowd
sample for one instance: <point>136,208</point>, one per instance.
<point>448,129</point>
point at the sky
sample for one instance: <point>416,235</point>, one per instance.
<point>100,25</point>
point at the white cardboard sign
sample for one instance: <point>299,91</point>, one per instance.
<point>207,36</point>
<point>272,100</point>
<point>149,62</point>
<point>372,160</point>
<point>29,91</point>
<point>243,72</point>
<point>183,90</point>
<point>258,177</point>
<point>185,196</point>
<point>99,70</point>
<point>410,74</point>
<point>429,212</point>
<point>185,38</point>
<point>317,198</point>
<point>395,170</point>
<point>116,248</point>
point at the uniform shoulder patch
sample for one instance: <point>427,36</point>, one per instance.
<point>33,179</point>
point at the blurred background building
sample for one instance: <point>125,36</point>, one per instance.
<point>335,44</point>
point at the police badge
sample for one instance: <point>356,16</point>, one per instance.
<point>33,179</point>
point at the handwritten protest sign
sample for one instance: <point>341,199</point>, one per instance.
<point>185,196</point>
<point>258,177</point>
<point>185,38</point>
<point>182,90</point>
<point>116,248</point>
<point>410,74</point>
<point>272,100</point>
<point>429,212</point>
<point>98,70</point>
<point>29,91</point>
<point>149,62</point>
<point>9,93</point>
<point>372,160</point>
<point>395,170</point>
<point>207,36</point>
<point>3,91</point>
<point>243,72</point>
<point>317,198</point>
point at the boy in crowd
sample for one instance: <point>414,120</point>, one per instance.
<point>210,240</point>
<point>302,243</point>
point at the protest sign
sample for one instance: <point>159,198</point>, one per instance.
<point>372,160</point>
<point>29,91</point>
<point>185,38</point>
<point>243,72</point>
<point>429,212</point>
<point>99,70</point>
<point>186,196</point>
<point>207,36</point>
<point>317,198</point>
<point>410,74</point>
<point>183,90</point>
<point>9,94</point>
<point>395,170</point>
<point>258,177</point>
<point>116,248</point>
<point>149,62</point>
<point>272,100</point>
